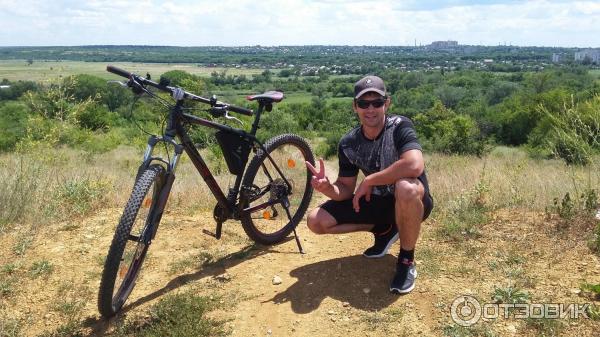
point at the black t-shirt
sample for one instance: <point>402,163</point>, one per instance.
<point>355,151</point>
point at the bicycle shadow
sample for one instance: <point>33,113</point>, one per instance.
<point>360,282</point>
<point>214,268</point>
<point>99,326</point>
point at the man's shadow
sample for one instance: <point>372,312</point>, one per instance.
<point>362,283</point>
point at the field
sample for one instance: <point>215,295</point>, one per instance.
<point>493,233</point>
<point>44,71</point>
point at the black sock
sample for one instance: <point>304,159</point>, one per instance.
<point>406,256</point>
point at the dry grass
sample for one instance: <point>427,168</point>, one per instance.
<point>48,185</point>
<point>509,179</point>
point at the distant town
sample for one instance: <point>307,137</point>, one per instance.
<point>316,60</point>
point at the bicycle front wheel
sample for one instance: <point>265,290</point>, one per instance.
<point>130,241</point>
<point>275,207</point>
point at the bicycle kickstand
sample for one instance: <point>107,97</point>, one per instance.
<point>298,242</point>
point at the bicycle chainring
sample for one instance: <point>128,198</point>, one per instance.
<point>220,214</point>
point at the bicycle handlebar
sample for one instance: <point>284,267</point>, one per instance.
<point>169,89</point>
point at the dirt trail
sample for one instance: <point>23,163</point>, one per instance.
<point>329,291</point>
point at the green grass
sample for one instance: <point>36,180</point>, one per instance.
<point>545,327</point>
<point>6,285</point>
<point>181,314</point>
<point>510,295</point>
<point>479,329</point>
<point>9,327</point>
<point>22,244</point>
<point>41,268</point>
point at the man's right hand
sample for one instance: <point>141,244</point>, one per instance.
<point>319,180</point>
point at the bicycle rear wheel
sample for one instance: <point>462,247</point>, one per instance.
<point>264,184</point>
<point>130,242</point>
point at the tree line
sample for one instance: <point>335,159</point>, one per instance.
<point>554,112</point>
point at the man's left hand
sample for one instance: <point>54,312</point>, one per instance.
<point>363,189</point>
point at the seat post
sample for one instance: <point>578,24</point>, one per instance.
<point>261,107</point>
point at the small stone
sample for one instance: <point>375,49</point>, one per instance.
<point>575,291</point>
<point>331,312</point>
<point>553,283</point>
<point>269,332</point>
<point>511,329</point>
<point>276,280</point>
<point>345,304</point>
<point>333,319</point>
<point>584,263</point>
<point>366,290</point>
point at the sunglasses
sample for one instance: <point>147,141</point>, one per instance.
<point>376,103</point>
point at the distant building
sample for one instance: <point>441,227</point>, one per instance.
<point>556,58</point>
<point>593,55</point>
<point>488,61</point>
<point>443,44</point>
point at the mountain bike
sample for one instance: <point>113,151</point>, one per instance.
<point>270,195</point>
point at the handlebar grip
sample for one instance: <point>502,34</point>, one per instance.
<point>118,71</point>
<point>240,110</point>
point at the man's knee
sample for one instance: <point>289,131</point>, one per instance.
<point>314,221</point>
<point>408,190</point>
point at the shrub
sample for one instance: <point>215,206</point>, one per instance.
<point>13,124</point>
<point>448,132</point>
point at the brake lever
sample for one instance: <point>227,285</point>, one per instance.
<point>232,117</point>
<point>121,83</point>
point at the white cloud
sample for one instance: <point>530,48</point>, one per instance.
<point>273,22</point>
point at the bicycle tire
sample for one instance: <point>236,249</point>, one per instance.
<point>290,151</point>
<point>131,229</point>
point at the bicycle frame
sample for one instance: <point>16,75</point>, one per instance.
<point>227,205</point>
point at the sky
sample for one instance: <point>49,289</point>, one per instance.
<point>554,23</point>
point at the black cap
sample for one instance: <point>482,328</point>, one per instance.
<point>368,84</point>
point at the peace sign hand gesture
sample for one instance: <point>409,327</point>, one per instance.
<point>319,181</point>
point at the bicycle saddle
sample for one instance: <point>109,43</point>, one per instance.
<point>267,97</point>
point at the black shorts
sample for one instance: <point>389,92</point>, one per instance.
<point>379,211</point>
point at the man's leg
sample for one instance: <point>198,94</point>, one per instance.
<point>409,215</point>
<point>334,217</point>
<point>320,221</point>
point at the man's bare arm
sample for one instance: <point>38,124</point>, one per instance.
<point>410,165</point>
<point>341,189</point>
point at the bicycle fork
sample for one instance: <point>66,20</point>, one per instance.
<point>165,189</point>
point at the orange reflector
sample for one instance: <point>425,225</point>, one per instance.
<point>267,215</point>
<point>147,202</point>
<point>123,271</point>
<point>291,163</point>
